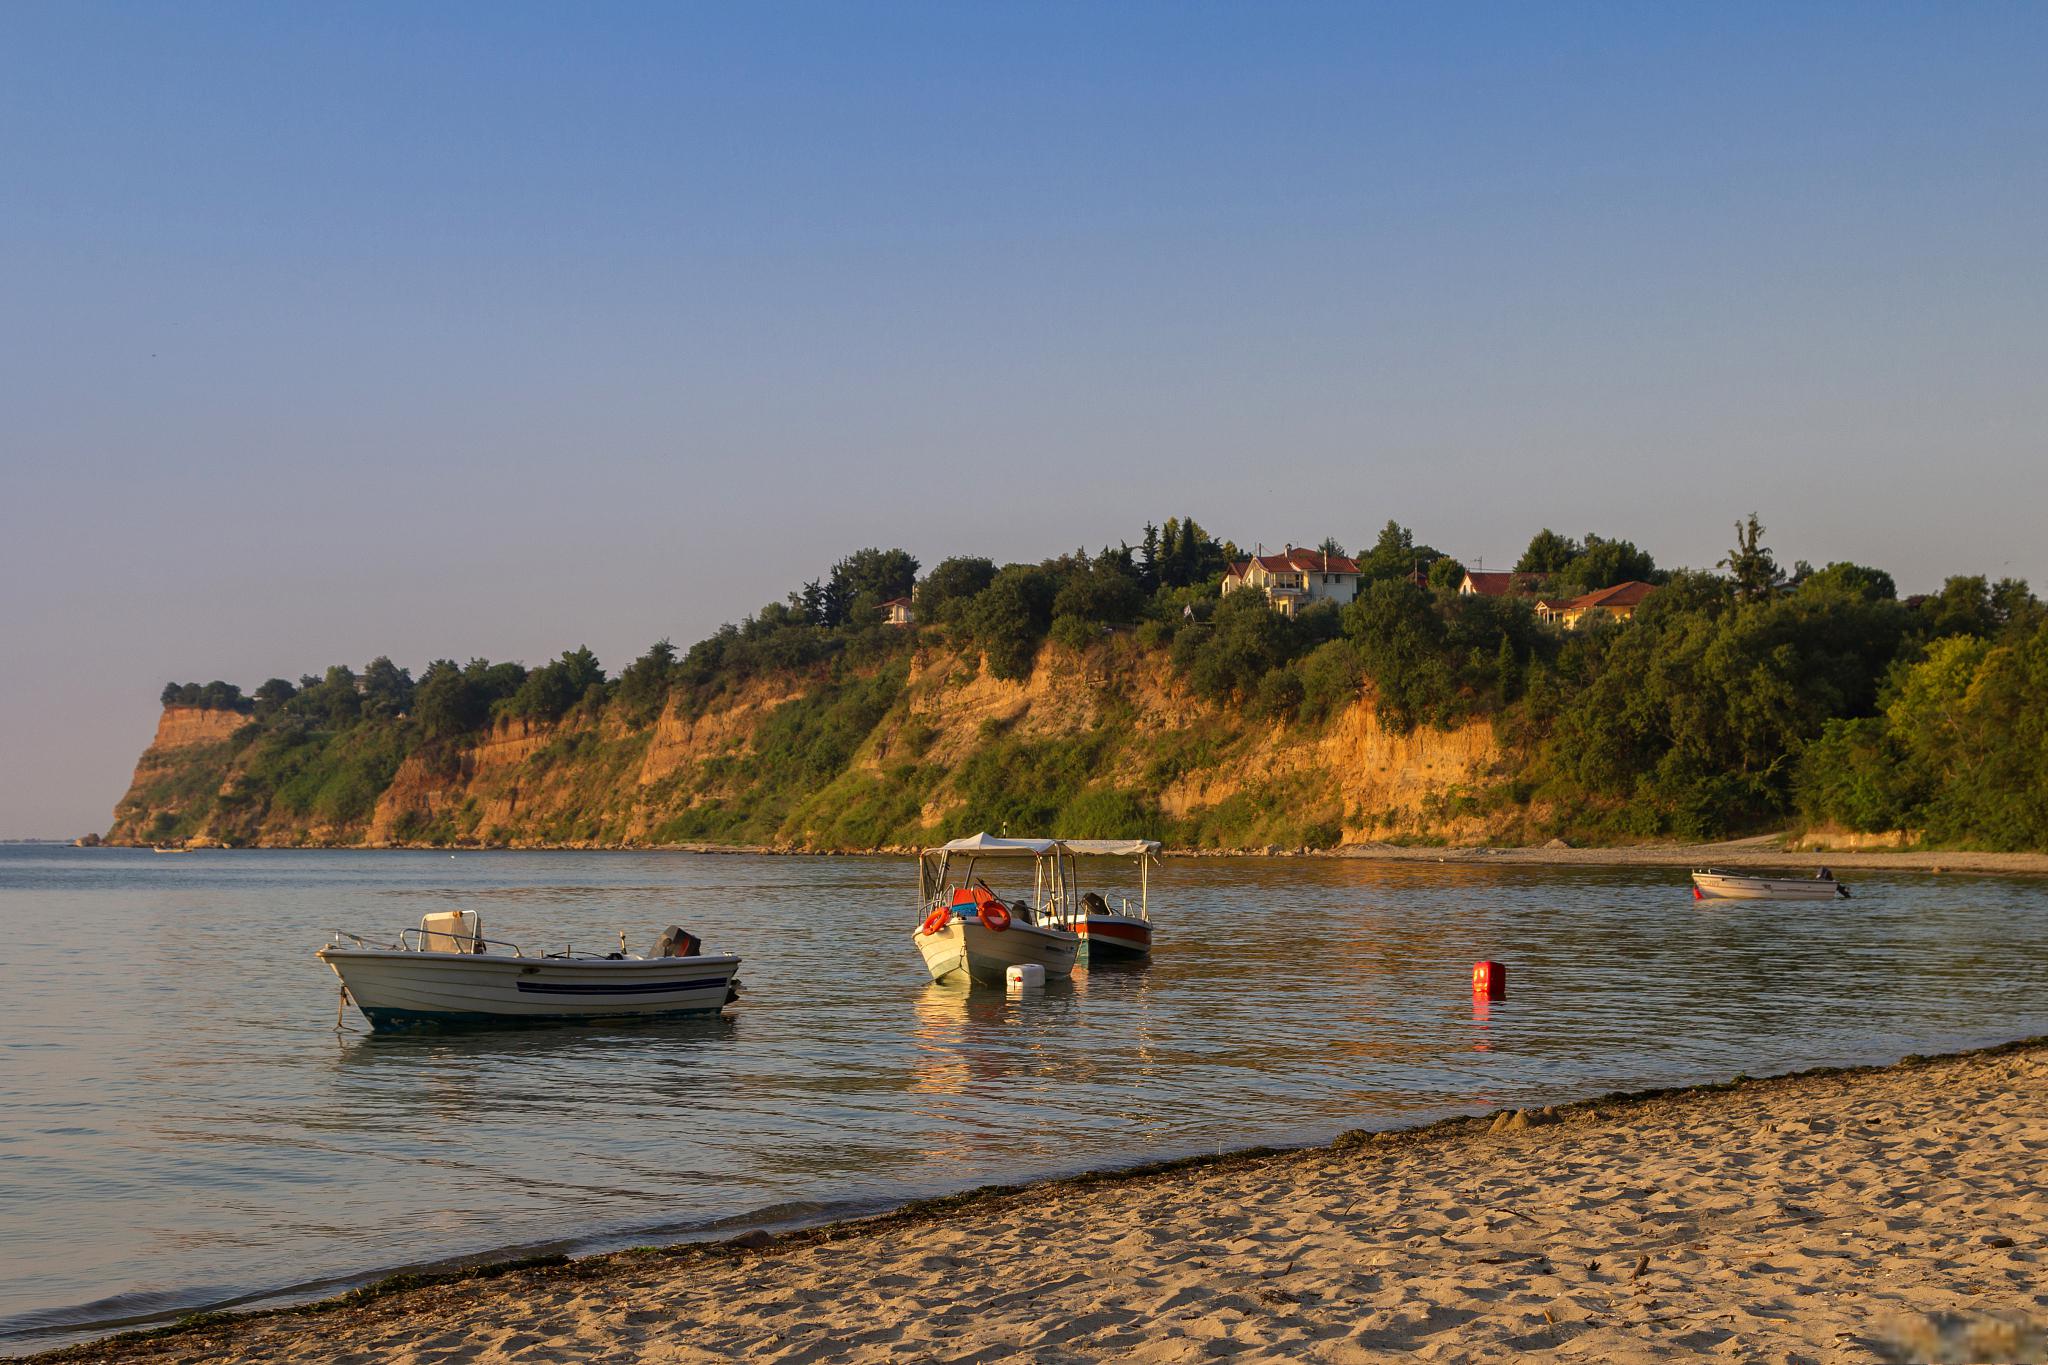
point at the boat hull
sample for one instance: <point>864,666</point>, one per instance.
<point>399,989</point>
<point>970,949</point>
<point>1113,938</point>
<point>1728,887</point>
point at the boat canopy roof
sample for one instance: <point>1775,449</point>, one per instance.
<point>1112,848</point>
<point>989,846</point>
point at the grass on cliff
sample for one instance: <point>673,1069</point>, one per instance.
<point>799,749</point>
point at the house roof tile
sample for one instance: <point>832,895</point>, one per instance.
<point>1501,582</point>
<point>1297,560</point>
<point>1630,594</point>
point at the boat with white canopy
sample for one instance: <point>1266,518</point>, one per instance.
<point>1710,884</point>
<point>447,973</point>
<point>970,931</point>
<point>1112,933</point>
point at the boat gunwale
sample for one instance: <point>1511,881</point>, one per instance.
<point>329,952</point>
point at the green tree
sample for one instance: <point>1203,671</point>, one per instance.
<point>644,684</point>
<point>1750,564</point>
<point>2018,612</point>
<point>1400,640</point>
<point>1230,654</point>
<point>1395,555</point>
<point>1188,555</point>
<point>1604,563</point>
<point>1855,581</point>
<point>948,588</point>
<point>1856,776</point>
<point>1548,553</point>
<point>1010,617</point>
<point>1445,575</point>
<point>1105,590</point>
<point>332,701</point>
<point>1331,678</point>
<point>864,580</point>
<point>1148,559</point>
<point>1962,607</point>
<point>550,691</point>
<point>387,689</point>
<point>272,696</point>
<point>445,704</point>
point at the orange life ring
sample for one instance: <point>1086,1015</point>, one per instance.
<point>937,920</point>
<point>994,916</point>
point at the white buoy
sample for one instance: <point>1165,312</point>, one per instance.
<point>1023,975</point>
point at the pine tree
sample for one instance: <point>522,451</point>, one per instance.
<point>1752,566</point>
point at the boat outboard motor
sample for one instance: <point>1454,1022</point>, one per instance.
<point>1094,905</point>
<point>675,942</point>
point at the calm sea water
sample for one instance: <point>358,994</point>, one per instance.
<point>181,1126</point>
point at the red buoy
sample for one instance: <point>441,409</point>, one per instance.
<point>1490,979</point>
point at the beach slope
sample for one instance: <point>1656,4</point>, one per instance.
<point>1893,1213</point>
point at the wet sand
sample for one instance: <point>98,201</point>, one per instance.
<point>1885,1213</point>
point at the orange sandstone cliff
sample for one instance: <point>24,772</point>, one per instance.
<point>1106,740</point>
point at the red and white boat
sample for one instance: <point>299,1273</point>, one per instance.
<point>1120,933</point>
<point>970,931</point>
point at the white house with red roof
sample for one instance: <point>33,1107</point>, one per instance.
<point>899,611</point>
<point>1293,579</point>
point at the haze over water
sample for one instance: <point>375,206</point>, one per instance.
<point>181,1126</point>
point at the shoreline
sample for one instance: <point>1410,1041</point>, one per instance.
<point>1632,1153</point>
<point>1745,853</point>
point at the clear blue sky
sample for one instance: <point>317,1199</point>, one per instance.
<point>332,331</point>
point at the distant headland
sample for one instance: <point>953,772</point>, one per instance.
<point>1183,689</point>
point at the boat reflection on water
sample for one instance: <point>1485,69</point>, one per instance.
<point>363,1048</point>
<point>964,1036</point>
<point>466,1075</point>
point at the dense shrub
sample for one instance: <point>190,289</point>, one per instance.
<point>1228,655</point>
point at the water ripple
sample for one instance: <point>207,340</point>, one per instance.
<point>172,1091</point>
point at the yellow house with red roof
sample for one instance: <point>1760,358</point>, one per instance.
<point>1617,603</point>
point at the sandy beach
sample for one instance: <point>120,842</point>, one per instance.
<point>1880,1214</point>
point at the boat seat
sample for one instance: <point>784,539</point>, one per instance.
<point>452,931</point>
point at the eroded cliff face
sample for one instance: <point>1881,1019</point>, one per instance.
<point>181,770</point>
<point>885,760</point>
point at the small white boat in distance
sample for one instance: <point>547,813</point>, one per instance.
<point>447,973</point>
<point>1709,884</point>
<point>969,931</point>
<point>1119,933</point>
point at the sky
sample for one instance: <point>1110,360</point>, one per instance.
<point>335,331</point>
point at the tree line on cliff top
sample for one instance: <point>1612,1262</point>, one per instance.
<point>1731,702</point>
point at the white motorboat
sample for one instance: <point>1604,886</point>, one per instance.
<point>969,931</point>
<point>1709,884</point>
<point>447,973</point>
<point>1118,933</point>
